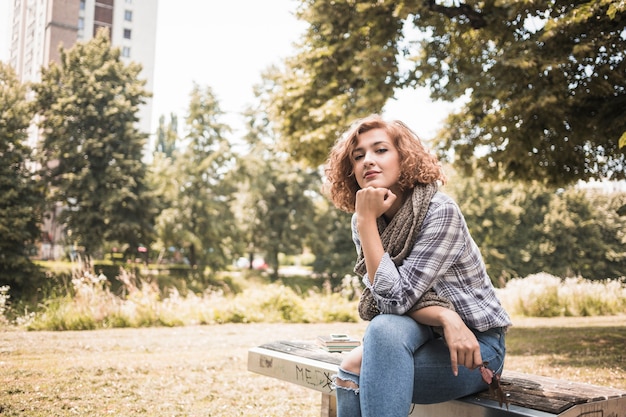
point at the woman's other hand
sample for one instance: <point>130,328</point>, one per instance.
<point>462,343</point>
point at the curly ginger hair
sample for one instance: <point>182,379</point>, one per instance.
<point>417,164</point>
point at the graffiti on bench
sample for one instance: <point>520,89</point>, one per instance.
<point>316,378</point>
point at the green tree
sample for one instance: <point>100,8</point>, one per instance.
<point>167,136</point>
<point>331,242</point>
<point>284,210</point>
<point>533,200</point>
<point>276,207</point>
<point>163,178</point>
<point>582,237</point>
<point>526,228</point>
<point>22,197</point>
<point>542,82</point>
<point>91,149</point>
<point>197,215</point>
<point>346,68</point>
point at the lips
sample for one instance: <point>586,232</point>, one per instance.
<point>370,174</point>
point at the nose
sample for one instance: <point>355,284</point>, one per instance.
<point>368,158</point>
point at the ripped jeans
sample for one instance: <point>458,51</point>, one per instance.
<point>404,363</point>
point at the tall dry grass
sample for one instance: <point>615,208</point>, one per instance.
<point>544,295</point>
<point>4,298</point>
<point>90,304</point>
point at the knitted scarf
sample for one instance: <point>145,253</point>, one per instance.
<point>399,236</point>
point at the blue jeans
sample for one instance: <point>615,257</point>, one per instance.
<point>404,363</point>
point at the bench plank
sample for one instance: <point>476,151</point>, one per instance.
<point>305,363</point>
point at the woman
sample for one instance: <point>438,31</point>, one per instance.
<point>412,240</point>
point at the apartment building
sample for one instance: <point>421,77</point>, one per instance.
<point>39,27</point>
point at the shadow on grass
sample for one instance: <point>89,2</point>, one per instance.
<point>585,347</point>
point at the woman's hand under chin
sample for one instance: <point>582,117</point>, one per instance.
<point>373,202</point>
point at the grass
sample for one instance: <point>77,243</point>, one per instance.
<point>202,370</point>
<point>584,349</point>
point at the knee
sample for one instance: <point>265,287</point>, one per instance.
<point>345,380</point>
<point>386,328</point>
<point>352,361</point>
<point>388,332</point>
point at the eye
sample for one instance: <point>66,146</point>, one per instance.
<point>357,157</point>
<point>381,150</point>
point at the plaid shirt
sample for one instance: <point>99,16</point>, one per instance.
<point>445,258</point>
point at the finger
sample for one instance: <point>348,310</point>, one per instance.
<point>390,196</point>
<point>463,359</point>
<point>453,362</point>
<point>478,360</point>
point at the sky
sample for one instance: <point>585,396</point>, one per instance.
<point>226,45</point>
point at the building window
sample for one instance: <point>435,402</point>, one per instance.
<point>129,1</point>
<point>81,23</point>
<point>82,4</point>
<point>128,15</point>
<point>126,33</point>
<point>126,52</point>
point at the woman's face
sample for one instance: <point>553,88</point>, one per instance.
<point>376,161</point>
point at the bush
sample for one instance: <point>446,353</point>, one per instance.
<point>285,304</point>
<point>90,304</point>
<point>544,295</point>
<point>4,299</point>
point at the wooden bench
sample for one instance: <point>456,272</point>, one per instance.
<point>306,364</point>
